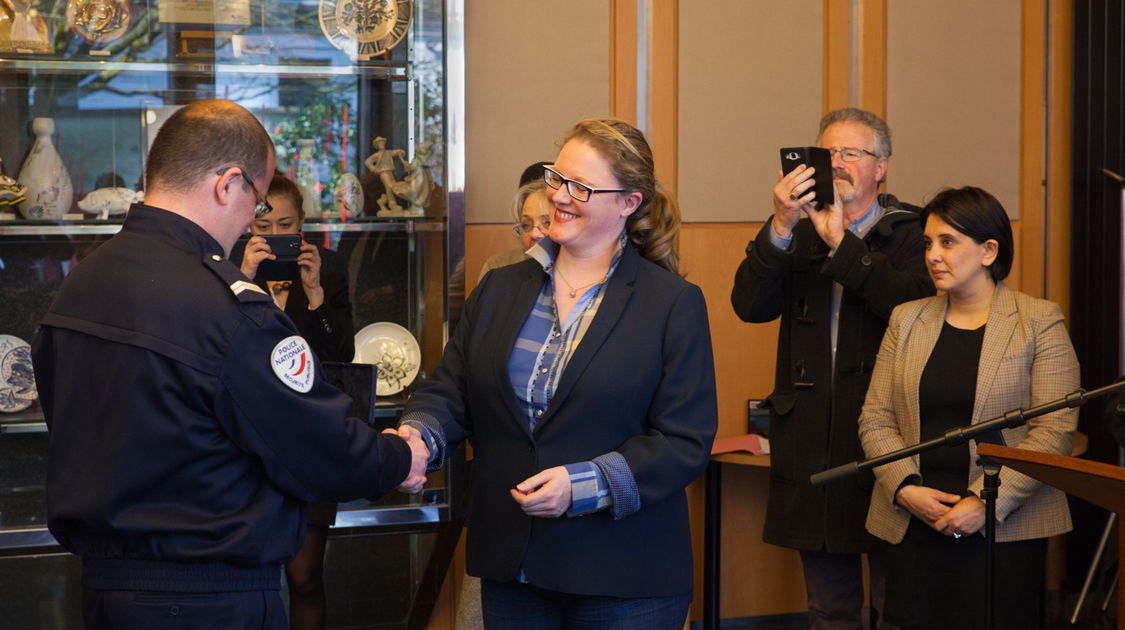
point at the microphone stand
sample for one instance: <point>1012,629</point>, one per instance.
<point>959,435</point>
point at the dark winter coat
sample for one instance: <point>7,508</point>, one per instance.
<point>813,424</point>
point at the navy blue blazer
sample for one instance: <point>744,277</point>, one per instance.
<point>642,383</point>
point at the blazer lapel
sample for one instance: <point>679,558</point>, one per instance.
<point>997,335</point>
<point>526,293</point>
<point>921,344</point>
<point>617,294</point>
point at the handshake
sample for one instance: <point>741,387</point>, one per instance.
<point>419,458</point>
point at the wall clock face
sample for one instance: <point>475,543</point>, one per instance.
<point>365,28</point>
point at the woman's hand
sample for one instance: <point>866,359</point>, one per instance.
<point>309,261</point>
<point>545,494</point>
<point>928,504</point>
<point>256,251</point>
<point>964,518</point>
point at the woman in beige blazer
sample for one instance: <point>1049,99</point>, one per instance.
<point>973,352</point>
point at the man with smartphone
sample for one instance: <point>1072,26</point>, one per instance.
<point>833,277</point>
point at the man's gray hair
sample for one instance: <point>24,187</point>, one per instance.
<point>864,117</point>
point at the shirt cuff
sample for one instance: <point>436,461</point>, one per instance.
<point>777,240</point>
<point>431,432</point>
<point>588,490</point>
<point>622,484</point>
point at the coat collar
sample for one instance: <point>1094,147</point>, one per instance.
<point>527,290</point>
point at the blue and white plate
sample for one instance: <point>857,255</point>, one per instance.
<point>17,380</point>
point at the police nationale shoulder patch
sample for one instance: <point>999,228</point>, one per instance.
<point>292,361</point>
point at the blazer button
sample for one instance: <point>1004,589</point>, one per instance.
<point>866,260</point>
<point>530,448</point>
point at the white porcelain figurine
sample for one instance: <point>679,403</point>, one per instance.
<point>49,191</point>
<point>307,177</point>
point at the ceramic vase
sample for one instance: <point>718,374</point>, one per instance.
<point>306,177</point>
<point>49,191</point>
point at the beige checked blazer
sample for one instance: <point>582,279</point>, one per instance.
<point>1026,360</point>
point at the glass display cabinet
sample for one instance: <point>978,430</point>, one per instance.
<point>364,102</point>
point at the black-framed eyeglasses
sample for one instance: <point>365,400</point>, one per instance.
<point>578,190</point>
<point>851,154</point>
<point>263,208</point>
<point>526,227</point>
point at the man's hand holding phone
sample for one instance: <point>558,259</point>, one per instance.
<point>791,195</point>
<point>805,183</point>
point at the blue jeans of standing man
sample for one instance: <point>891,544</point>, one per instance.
<point>519,606</point>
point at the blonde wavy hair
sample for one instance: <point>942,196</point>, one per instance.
<point>653,226</point>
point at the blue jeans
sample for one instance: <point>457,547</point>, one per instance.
<point>517,606</point>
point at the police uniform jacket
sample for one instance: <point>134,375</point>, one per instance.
<point>813,408</point>
<point>171,436</point>
<point>641,383</point>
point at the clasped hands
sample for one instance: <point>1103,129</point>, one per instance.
<point>793,193</point>
<point>946,513</point>
<point>419,458</point>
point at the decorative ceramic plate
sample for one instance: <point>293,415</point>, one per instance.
<point>365,28</point>
<point>393,351</point>
<point>98,21</point>
<point>348,195</point>
<point>17,381</point>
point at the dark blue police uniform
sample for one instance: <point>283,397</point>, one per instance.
<point>180,460</point>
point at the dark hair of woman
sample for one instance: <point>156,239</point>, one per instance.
<point>977,214</point>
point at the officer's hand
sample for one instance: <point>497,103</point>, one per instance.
<point>546,494</point>
<point>419,458</point>
<point>257,250</point>
<point>309,262</point>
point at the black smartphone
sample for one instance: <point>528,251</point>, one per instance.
<point>818,158</point>
<point>286,247</point>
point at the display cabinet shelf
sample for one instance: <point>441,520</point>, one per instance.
<point>47,65</point>
<point>79,227</point>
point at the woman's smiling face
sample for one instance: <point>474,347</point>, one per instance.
<point>592,225</point>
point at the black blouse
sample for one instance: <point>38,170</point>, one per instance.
<point>945,399</point>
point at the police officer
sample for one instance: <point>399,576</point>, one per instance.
<point>189,422</point>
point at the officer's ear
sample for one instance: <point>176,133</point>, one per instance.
<point>226,184</point>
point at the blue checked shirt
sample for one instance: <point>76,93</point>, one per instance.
<point>543,348</point>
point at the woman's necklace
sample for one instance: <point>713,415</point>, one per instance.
<point>574,290</point>
<point>280,291</point>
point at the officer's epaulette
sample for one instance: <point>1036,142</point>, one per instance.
<point>242,288</point>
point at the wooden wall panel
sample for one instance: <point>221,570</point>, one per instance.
<point>521,96</point>
<point>953,97</point>
<point>750,82</point>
